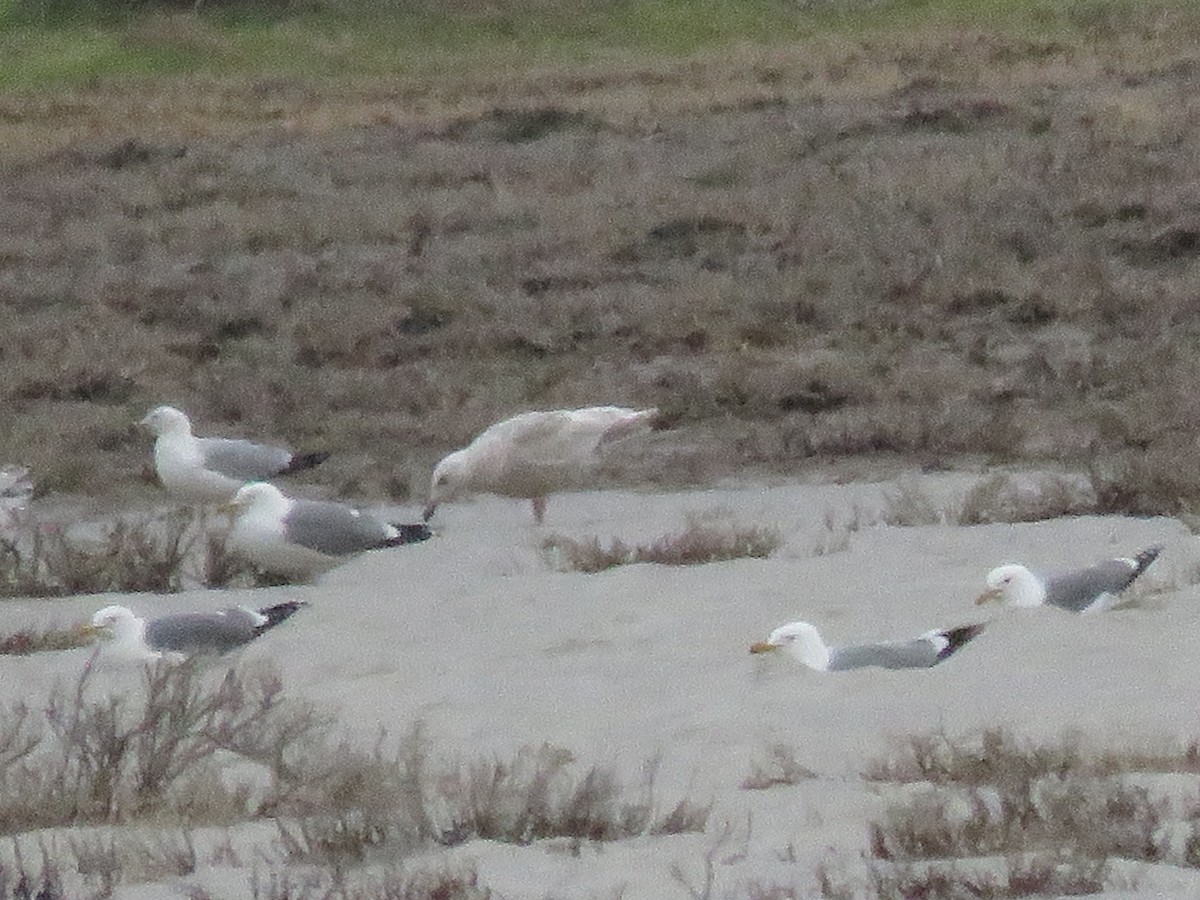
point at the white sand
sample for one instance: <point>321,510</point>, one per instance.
<point>473,633</point>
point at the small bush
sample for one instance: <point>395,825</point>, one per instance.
<point>1070,808</point>
<point>994,498</point>
<point>28,640</point>
<point>780,767</point>
<point>162,553</point>
<point>695,545</point>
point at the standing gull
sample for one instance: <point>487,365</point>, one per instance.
<point>1093,589</point>
<point>135,639</point>
<point>534,454</point>
<point>210,470</point>
<point>301,539</point>
<point>803,641</point>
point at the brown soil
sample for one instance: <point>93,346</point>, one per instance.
<point>931,246</point>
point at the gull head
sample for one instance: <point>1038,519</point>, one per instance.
<point>1012,585</point>
<point>798,639</point>
<point>166,420</point>
<point>114,621</point>
<point>257,495</point>
<point>450,477</point>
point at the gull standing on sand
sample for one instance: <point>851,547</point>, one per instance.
<point>210,470</point>
<point>301,539</point>
<point>802,641</point>
<point>133,639</point>
<point>1094,589</point>
<point>534,454</point>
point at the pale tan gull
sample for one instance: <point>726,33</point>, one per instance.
<point>534,454</point>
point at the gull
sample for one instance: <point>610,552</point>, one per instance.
<point>534,454</point>
<point>210,470</point>
<point>301,539</point>
<point>16,489</point>
<point>1093,589</point>
<point>134,639</point>
<point>802,641</point>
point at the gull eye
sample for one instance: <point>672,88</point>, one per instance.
<point>443,480</point>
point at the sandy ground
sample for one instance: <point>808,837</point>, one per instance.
<point>477,635</point>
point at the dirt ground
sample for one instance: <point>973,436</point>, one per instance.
<point>934,246</point>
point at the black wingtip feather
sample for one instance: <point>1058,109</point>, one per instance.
<point>957,638</point>
<point>301,461</point>
<point>409,534</point>
<point>278,613</point>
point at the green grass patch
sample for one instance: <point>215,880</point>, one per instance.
<point>63,41</point>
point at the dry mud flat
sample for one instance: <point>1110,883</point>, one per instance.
<point>478,636</point>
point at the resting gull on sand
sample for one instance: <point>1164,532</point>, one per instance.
<point>16,489</point>
<point>135,639</point>
<point>533,454</point>
<point>1093,589</point>
<point>803,641</point>
<point>301,539</point>
<point>210,470</point>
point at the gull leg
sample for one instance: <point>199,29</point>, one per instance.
<point>539,509</point>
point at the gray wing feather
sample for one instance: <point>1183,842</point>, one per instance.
<point>1077,590</point>
<point>915,654</point>
<point>243,459</point>
<point>333,529</point>
<point>213,632</point>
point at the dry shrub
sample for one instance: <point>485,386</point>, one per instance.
<point>29,640</point>
<point>1004,498</point>
<point>998,795</point>
<point>1038,876</point>
<point>780,767</point>
<point>445,884</point>
<point>161,553</point>
<point>19,882</point>
<point>997,756</point>
<point>192,746</point>
<point>1162,481</point>
<point>994,498</point>
<point>695,545</point>
<point>154,752</point>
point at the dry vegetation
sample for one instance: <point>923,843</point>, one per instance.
<point>195,747</point>
<point>160,553</point>
<point>1058,812</point>
<point>932,244</point>
<point>698,543</point>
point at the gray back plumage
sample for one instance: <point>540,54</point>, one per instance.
<point>333,529</point>
<point>1076,591</point>
<point>214,632</point>
<point>919,653</point>
<point>243,459</point>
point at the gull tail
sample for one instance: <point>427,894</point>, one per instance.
<point>301,461</point>
<point>277,613</point>
<point>1142,561</point>
<point>408,534</point>
<point>957,638</point>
